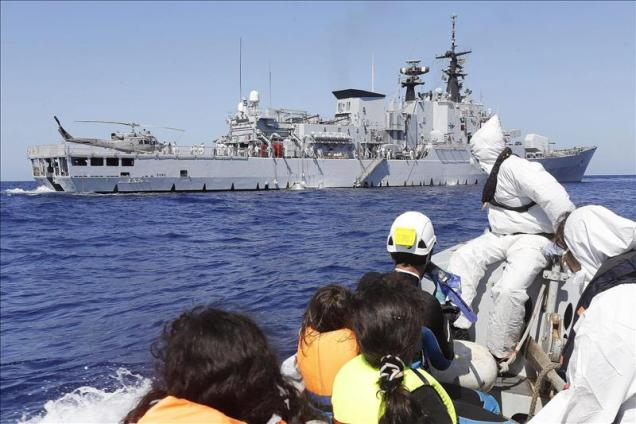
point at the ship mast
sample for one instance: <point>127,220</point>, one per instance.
<point>412,72</point>
<point>455,67</point>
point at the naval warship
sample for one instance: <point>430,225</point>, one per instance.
<point>420,139</point>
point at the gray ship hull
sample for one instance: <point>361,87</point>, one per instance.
<point>567,168</point>
<point>203,172</point>
<point>187,172</point>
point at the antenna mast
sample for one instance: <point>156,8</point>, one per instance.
<point>240,69</point>
<point>455,67</point>
<point>372,72</point>
<point>453,33</point>
<point>270,83</point>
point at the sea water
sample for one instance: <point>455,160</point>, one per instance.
<point>87,281</point>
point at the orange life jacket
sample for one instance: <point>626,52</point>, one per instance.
<point>322,356</point>
<point>174,410</point>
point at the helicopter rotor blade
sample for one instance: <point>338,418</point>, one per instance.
<point>128,124</point>
<point>133,125</point>
<point>162,127</point>
<point>173,129</point>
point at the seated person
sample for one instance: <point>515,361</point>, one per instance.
<point>378,386</point>
<point>216,366</point>
<point>410,243</point>
<point>325,342</point>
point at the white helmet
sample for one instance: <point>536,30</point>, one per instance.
<point>411,232</point>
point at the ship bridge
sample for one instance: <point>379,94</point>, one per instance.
<point>361,107</point>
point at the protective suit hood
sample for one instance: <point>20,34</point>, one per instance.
<point>487,143</point>
<point>594,234</point>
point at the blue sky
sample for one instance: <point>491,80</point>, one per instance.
<point>565,70</point>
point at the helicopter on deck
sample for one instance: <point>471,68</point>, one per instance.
<point>138,140</point>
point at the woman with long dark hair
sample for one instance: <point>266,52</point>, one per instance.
<point>381,385</point>
<point>216,366</point>
<point>378,386</point>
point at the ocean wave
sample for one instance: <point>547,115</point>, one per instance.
<point>92,405</point>
<point>39,190</point>
<point>132,262</point>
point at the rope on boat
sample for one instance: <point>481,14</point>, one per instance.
<point>505,365</point>
<point>537,386</point>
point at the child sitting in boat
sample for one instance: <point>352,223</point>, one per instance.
<point>217,367</point>
<point>325,342</point>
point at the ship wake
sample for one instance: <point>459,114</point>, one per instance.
<point>92,405</point>
<point>39,190</point>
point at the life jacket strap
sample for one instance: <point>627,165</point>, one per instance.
<point>549,236</point>
<point>490,188</point>
<point>521,209</point>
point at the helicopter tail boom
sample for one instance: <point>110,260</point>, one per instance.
<point>65,135</point>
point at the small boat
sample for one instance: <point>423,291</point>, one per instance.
<point>523,380</point>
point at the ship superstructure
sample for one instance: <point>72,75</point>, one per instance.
<point>420,139</point>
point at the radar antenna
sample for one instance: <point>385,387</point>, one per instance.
<point>455,67</point>
<point>412,72</point>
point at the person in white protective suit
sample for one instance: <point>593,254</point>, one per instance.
<point>600,355</point>
<point>525,202</point>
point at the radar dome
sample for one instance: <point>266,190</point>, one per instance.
<point>254,97</point>
<point>438,90</point>
<point>241,107</point>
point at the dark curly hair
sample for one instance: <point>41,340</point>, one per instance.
<point>329,309</point>
<point>222,360</point>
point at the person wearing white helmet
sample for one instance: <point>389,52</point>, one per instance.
<point>524,203</point>
<point>599,358</point>
<point>410,243</point>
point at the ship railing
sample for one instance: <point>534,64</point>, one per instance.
<point>566,152</point>
<point>57,150</point>
<point>195,151</point>
<point>168,152</point>
<point>61,150</point>
<point>46,150</point>
<point>198,152</point>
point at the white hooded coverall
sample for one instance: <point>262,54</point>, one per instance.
<point>512,237</point>
<point>602,369</point>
